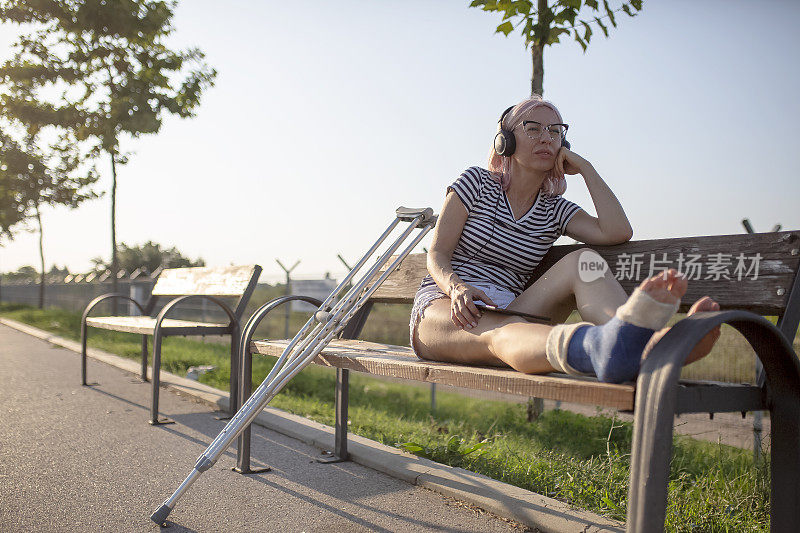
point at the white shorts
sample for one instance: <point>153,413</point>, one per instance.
<point>501,296</point>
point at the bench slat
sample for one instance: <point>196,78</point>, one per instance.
<point>145,325</point>
<point>211,281</point>
<point>400,362</point>
<point>765,292</point>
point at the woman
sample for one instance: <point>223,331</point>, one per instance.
<point>495,227</point>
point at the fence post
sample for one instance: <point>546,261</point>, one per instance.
<point>758,425</point>
<point>288,291</point>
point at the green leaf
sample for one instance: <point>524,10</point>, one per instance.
<point>602,26</point>
<point>476,3</point>
<point>627,10</point>
<point>412,447</point>
<point>473,448</point>
<point>505,28</point>
<point>637,4</point>
<point>580,41</point>
<point>453,443</point>
<point>610,13</point>
<point>593,4</point>
<point>562,16</point>
<point>573,13</point>
<point>554,35</point>
<point>588,34</point>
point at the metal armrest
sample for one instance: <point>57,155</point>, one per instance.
<point>656,402</point>
<point>771,347</point>
<point>246,378</point>
<point>175,301</point>
<point>108,296</point>
<point>262,312</point>
<point>157,335</point>
<point>85,332</point>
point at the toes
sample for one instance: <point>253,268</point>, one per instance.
<point>678,285</point>
<point>656,280</point>
<point>706,303</point>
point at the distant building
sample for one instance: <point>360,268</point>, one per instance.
<point>316,288</point>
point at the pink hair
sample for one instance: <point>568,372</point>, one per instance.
<point>500,167</point>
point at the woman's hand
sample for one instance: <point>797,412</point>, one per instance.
<point>568,162</point>
<point>463,311</point>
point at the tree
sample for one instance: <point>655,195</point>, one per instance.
<point>23,273</point>
<point>546,23</point>
<point>109,63</point>
<point>31,177</point>
<point>148,257</point>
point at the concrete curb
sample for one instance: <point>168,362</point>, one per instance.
<point>528,508</point>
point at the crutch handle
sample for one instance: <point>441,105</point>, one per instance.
<point>408,214</point>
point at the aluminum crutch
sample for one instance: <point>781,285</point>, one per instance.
<point>331,317</point>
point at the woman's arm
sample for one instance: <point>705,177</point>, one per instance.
<point>611,225</point>
<point>445,238</point>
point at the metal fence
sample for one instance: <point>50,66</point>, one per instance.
<point>75,296</point>
<point>729,363</point>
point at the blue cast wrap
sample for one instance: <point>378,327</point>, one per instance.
<point>612,351</point>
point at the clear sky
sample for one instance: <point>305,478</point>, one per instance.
<point>326,116</point>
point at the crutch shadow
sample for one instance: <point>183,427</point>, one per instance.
<point>203,423</point>
<point>291,464</point>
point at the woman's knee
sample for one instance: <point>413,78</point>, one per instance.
<point>586,265</point>
<point>565,273</point>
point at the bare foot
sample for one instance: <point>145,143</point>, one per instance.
<point>706,343</point>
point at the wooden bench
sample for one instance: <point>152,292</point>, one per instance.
<point>749,275</point>
<point>180,285</point>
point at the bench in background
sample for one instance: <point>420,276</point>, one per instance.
<point>180,285</point>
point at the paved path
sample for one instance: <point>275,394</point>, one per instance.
<point>78,458</point>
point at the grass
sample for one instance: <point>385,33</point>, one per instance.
<point>578,459</point>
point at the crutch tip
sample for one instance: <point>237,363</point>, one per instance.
<point>161,514</point>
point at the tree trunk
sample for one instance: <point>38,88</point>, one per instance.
<point>114,264</point>
<point>537,50</point>
<point>41,258</point>
<point>537,79</point>
<point>535,406</point>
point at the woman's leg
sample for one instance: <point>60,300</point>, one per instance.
<point>561,290</point>
<point>499,339</point>
<point>502,340</point>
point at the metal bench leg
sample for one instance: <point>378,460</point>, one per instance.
<point>234,399</point>
<point>144,358</point>
<point>243,443</point>
<point>785,463</point>
<point>342,398</point>
<point>656,398</point>
<point>651,450</point>
<point>154,420</point>
<point>84,338</point>
<point>235,374</point>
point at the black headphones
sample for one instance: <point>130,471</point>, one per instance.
<point>505,143</point>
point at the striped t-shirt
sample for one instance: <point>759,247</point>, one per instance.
<point>494,247</point>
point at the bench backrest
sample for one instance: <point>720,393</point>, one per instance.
<point>756,272</point>
<point>232,281</point>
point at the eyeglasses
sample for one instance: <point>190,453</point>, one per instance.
<point>534,130</point>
